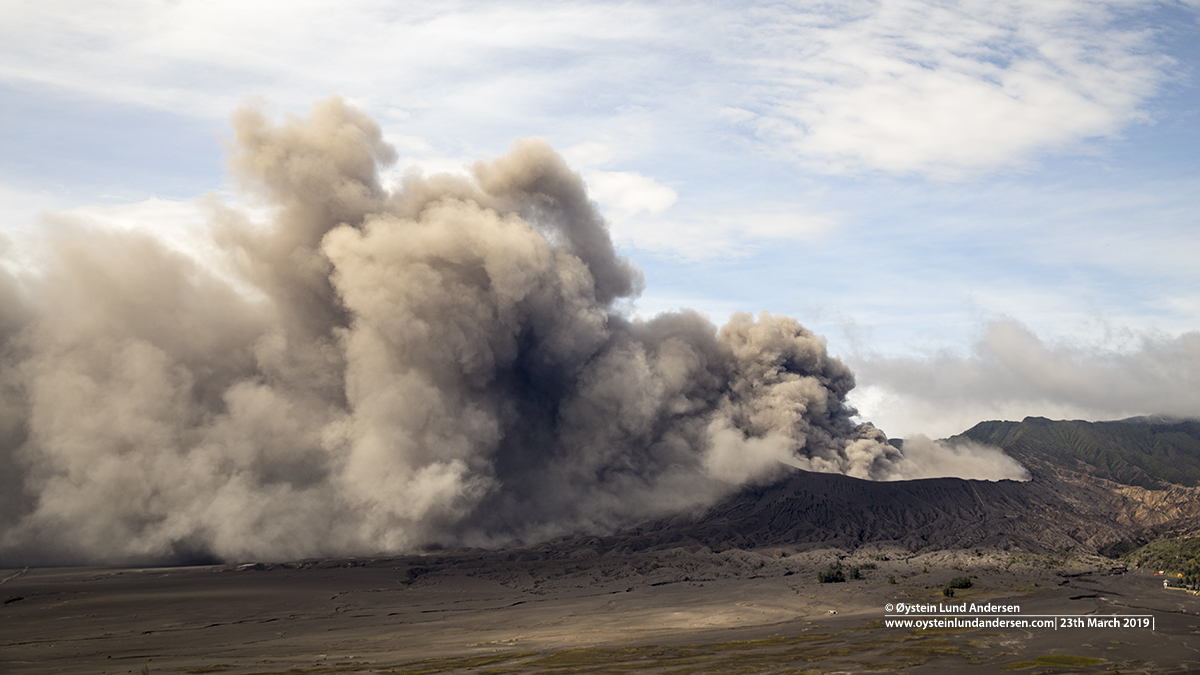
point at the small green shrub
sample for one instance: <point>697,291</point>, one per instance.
<point>960,582</point>
<point>833,575</point>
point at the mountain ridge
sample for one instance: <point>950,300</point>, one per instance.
<point>1151,455</point>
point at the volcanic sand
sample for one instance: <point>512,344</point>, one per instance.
<point>527,611</point>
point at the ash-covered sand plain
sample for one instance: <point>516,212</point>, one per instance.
<point>583,609</point>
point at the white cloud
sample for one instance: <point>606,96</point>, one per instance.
<point>1012,373</point>
<point>588,154</point>
<point>944,89</point>
<point>695,236</point>
<point>626,194</point>
<point>640,213</point>
<point>204,58</point>
<point>947,89</point>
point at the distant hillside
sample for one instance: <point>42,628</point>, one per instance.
<point>1169,553</point>
<point>1152,452</point>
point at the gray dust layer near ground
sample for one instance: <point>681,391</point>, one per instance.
<point>522,611</point>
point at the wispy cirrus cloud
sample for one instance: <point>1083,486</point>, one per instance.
<point>945,89</point>
<point>207,58</point>
<point>939,89</point>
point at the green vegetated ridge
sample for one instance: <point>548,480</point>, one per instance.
<point>1133,452</point>
<point>1173,555</point>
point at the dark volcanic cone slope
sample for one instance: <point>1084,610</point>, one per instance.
<point>815,510</point>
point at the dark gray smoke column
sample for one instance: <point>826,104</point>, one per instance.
<point>442,364</point>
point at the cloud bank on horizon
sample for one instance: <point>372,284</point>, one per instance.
<point>444,364</point>
<point>923,182</point>
<point>1011,373</point>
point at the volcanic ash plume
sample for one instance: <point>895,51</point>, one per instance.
<point>438,365</point>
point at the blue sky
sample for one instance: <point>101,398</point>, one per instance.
<point>990,210</point>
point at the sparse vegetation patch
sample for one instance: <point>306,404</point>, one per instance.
<point>833,575</point>
<point>1054,661</point>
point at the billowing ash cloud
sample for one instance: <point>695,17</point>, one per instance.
<point>962,458</point>
<point>438,365</point>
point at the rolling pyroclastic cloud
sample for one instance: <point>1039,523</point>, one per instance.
<point>361,369</point>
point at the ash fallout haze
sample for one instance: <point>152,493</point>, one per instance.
<point>285,281</point>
